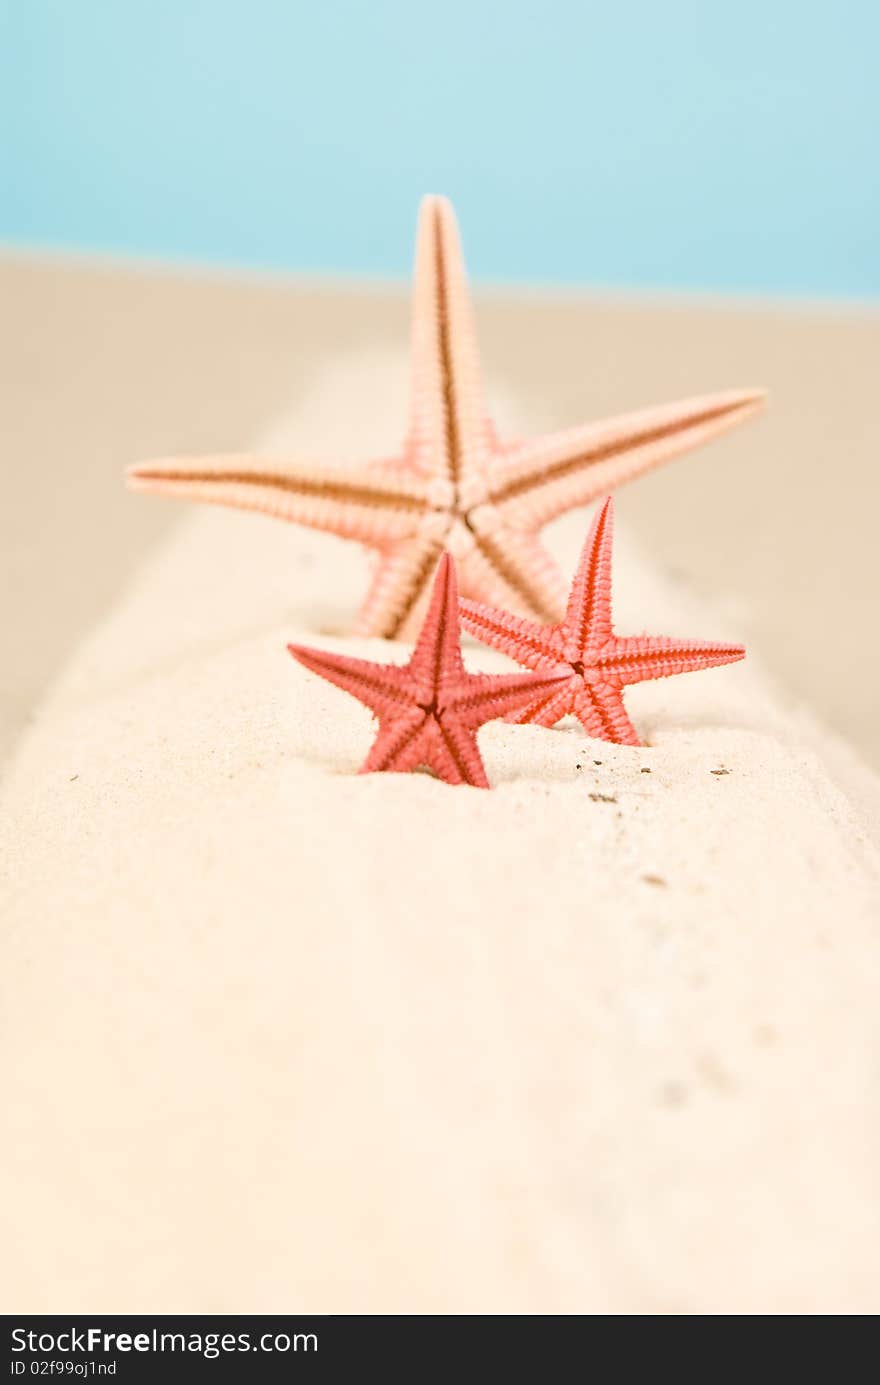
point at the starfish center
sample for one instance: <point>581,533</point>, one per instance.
<point>459,536</point>
<point>586,672</point>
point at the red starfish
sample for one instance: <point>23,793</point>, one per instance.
<point>594,664</point>
<point>429,710</point>
<point>455,485</point>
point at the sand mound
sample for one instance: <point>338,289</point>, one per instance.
<point>282,1038</point>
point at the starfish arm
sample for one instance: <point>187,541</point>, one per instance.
<point>449,432</point>
<point>599,709</point>
<point>454,753</point>
<point>642,657</point>
<point>385,688</point>
<point>501,696</point>
<point>400,583</point>
<point>588,612</point>
<point>506,567</point>
<point>436,659</point>
<point>553,704</point>
<point>538,647</point>
<point>374,504</point>
<point>546,477</point>
<point>415,739</point>
<point>399,743</point>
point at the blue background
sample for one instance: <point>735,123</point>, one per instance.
<point>670,144</point>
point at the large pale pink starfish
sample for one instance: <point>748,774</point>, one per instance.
<point>594,664</point>
<point>429,710</point>
<point>455,485</point>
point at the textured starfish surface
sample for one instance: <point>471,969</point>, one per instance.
<point>454,485</point>
<point>429,710</point>
<point>594,664</point>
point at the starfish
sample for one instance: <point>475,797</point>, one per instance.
<point>454,485</point>
<point>593,663</point>
<point>429,709</point>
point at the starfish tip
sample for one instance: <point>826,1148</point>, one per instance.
<point>136,473</point>
<point>434,201</point>
<point>445,565</point>
<point>749,401</point>
<point>147,476</point>
<point>301,653</point>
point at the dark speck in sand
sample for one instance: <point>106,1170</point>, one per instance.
<point>644,770</point>
<point>72,777</point>
<point>603,798</point>
<point>719,771</point>
<point>654,880</point>
<point>597,762</point>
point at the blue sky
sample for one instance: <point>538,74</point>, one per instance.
<point>674,145</point>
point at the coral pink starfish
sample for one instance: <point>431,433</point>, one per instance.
<point>454,486</point>
<point>429,710</point>
<point>595,665</point>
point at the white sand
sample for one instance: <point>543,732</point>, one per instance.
<point>278,1037</point>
